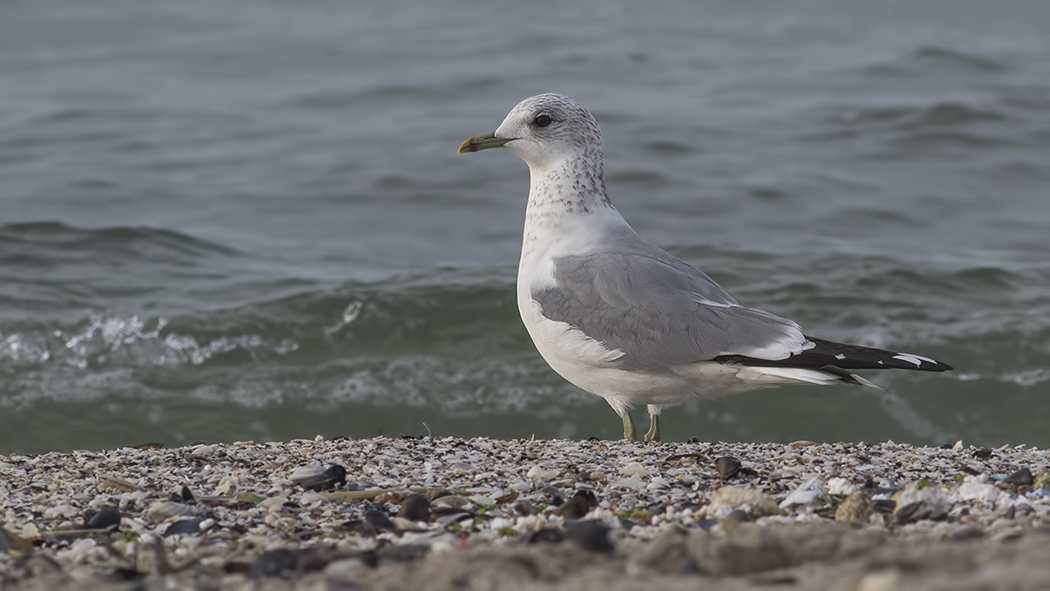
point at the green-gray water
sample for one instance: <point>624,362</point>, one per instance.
<point>233,220</point>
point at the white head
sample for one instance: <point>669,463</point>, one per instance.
<point>561,143</point>
<point>544,130</point>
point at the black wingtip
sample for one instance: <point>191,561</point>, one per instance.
<point>846,357</point>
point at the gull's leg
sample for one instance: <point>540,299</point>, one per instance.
<point>628,426</point>
<point>654,424</point>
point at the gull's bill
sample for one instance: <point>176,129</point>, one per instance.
<point>483,142</point>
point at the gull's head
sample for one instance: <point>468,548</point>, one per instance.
<point>542,130</point>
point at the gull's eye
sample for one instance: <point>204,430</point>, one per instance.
<point>541,121</point>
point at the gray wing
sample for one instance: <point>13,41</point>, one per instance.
<point>659,310</point>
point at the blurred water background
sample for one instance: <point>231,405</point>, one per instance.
<point>224,220</point>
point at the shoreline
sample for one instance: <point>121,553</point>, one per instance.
<point>480,513</point>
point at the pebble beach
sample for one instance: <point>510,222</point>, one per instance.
<point>450,513</point>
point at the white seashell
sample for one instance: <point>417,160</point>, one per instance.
<point>806,494</point>
<point>634,469</point>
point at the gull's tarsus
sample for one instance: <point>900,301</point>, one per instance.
<point>628,426</point>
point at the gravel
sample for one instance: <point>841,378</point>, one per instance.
<point>526,514</point>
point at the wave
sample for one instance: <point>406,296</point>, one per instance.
<point>447,342</point>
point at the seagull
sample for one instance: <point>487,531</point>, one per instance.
<point>623,319</point>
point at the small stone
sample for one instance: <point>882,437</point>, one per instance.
<point>185,495</point>
<point>105,517</point>
<point>805,494</point>
<point>883,580</point>
<point>275,563</point>
<point>547,536</point>
<point>415,508</point>
<point>10,541</point>
<point>507,498</point>
<point>343,569</point>
<point>634,469</point>
<point>1043,481</point>
<point>915,504</point>
<point>984,454</point>
<point>227,488</point>
<point>453,501</point>
<point>727,466</point>
<point>841,486</point>
<point>483,500</point>
<point>1022,477</point>
<point>332,477</point>
<point>658,483</point>
<point>183,527</point>
<point>66,511</point>
<point>454,516</point>
<point>972,488</point>
<point>632,482</point>
<point>379,520</point>
<point>578,506</point>
<point>554,494</point>
<point>387,496</point>
<point>592,536</point>
<point>729,498</point>
<point>539,473</point>
<point>162,511</point>
<point>858,507</point>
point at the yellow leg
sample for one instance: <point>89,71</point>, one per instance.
<point>654,429</point>
<point>628,426</point>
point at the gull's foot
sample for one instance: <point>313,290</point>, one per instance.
<point>653,434</point>
<point>628,426</point>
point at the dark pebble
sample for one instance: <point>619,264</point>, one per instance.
<point>187,495</point>
<point>707,524</point>
<point>6,542</point>
<point>910,513</point>
<point>592,536</point>
<point>122,574</point>
<point>379,520</point>
<point>547,536</point>
<point>740,516</point>
<point>275,563</point>
<point>556,497</point>
<point>451,516</point>
<point>524,508</point>
<point>983,454</point>
<point>36,564</point>
<point>574,508</point>
<point>183,527</point>
<point>332,477</point>
<point>727,466</point>
<point>579,505</point>
<point>1022,477</point>
<point>105,517</point>
<point>967,534</point>
<point>885,505</point>
<point>415,508</point>
<point>401,553</point>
